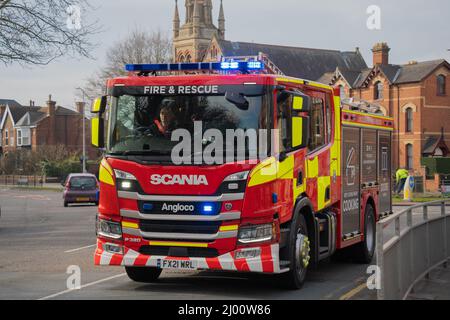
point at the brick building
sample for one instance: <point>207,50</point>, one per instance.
<point>416,94</point>
<point>29,127</point>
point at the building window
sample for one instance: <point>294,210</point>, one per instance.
<point>188,58</point>
<point>409,120</point>
<point>409,156</point>
<point>23,137</point>
<point>6,137</point>
<point>19,137</point>
<point>342,92</point>
<point>181,59</point>
<point>441,83</point>
<point>378,91</point>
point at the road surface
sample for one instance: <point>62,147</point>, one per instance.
<point>40,239</point>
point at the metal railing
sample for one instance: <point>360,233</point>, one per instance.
<point>418,243</point>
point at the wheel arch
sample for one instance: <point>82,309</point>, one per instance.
<point>304,207</point>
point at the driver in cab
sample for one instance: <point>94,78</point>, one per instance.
<point>166,122</point>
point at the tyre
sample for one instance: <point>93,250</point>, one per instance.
<point>66,204</point>
<point>144,274</point>
<point>299,254</point>
<point>96,204</point>
<point>364,251</point>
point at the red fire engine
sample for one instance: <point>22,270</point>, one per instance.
<point>319,185</point>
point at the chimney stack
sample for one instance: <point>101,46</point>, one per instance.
<point>381,54</point>
<point>80,107</point>
<point>51,106</point>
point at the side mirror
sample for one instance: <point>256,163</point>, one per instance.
<point>238,99</point>
<point>97,131</point>
<point>300,132</point>
<point>98,123</point>
<point>301,103</point>
<point>99,105</point>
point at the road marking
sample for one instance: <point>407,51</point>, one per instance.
<point>79,249</point>
<point>82,287</point>
<point>353,292</point>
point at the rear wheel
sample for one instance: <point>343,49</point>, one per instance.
<point>365,251</point>
<point>299,254</point>
<point>144,274</point>
<point>66,204</point>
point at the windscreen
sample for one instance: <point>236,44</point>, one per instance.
<point>83,183</point>
<point>146,124</point>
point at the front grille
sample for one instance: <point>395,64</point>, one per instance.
<point>158,207</point>
<point>179,252</point>
<point>194,227</point>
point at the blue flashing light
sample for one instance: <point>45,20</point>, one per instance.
<point>207,208</point>
<point>255,65</point>
<point>147,207</point>
<point>211,66</point>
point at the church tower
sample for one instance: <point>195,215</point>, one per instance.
<point>191,40</point>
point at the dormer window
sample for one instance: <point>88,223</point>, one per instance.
<point>378,91</point>
<point>441,83</point>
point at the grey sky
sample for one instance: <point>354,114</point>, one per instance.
<point>415,30</point>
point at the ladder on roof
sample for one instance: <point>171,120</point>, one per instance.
<point>362,106</point>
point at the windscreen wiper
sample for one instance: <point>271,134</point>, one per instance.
<point>142,153</point>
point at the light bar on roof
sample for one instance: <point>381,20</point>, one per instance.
<point>211,66</point>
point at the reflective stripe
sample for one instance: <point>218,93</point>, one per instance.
<point>131,225</point>
<point>313,168</point>
<point>105,258</point>
<point>275,251</point>
<point>224,216</point>
<point>229,228</point>
<point>178,244</point>
<point>221,198</point>
<point>105,173</point>
<point>227,262</point>
<point>179,236</point>
<point>130,258</point>
<point>255,264</point>
<point>372,126</point>
<point>293,80</point>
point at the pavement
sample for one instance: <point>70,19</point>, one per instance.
<point>436,286</point>
<point>40,241</point>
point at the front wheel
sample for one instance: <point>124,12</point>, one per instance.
<point>144,274</point>
<point>364,251</point>
<point>299,254</point>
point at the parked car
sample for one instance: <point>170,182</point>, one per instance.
<point>81,188</point>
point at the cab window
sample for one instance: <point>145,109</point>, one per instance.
<point>284,123</point>
<point>318,134</point>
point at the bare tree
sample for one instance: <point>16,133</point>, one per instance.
<point>138,47</point>
<point>39,31</point>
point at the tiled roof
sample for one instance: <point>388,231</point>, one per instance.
<point>417,72</point>
<point>298,62</point>
<point>396,74</point>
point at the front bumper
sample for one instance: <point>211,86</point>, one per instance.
<point>267,262</point>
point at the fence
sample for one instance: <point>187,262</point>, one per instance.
<point>419,242</point>
<point>19,180</point>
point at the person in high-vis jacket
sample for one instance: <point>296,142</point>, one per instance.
<point>401,176</point>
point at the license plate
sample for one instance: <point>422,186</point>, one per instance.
<point>177,264</point>
<point>82,199</point>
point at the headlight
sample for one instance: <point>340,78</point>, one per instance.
<point>125,181</point>
<point>109,229</point>
<point>235,183</point>
<point>124,175</point>
<point>259,233</point>
<point>237,176</point>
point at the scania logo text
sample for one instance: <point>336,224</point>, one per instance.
<point>169,180</point>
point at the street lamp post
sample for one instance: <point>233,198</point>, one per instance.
<point>84,129</point>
